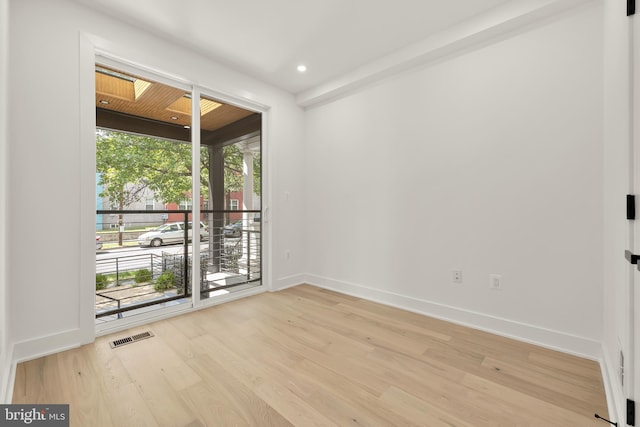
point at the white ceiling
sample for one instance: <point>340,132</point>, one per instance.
<point>269,38</point>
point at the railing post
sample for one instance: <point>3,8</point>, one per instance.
<point>248,254</point>
<point>117,273</point>
<point>185,274</point>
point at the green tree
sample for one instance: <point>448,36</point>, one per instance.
<point>257,174</point>
<point>122,185</point>
<point>129,164</point>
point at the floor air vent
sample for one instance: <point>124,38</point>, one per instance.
<point>128,340</point>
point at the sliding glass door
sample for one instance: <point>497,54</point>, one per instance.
<point>159,213</point>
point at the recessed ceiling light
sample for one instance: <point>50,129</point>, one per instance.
<point>302,68</point>
<point>104,101</point>
<point>187,127</point>
<point>174,117</point>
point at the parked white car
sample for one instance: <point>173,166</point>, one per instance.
<point>169,233</point>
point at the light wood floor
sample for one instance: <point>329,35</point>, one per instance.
<point>311,357</point>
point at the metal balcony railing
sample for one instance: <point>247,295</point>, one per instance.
<point>140,266</point>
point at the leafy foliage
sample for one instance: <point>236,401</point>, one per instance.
<point>257,174</point>
<point>130,164</point>
<point>143,275</point>
<point>101,281</point>
<point>166,280</point>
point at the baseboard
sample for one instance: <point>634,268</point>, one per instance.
<point>7,376</point>
<point>556,340</point>
<point>44,346</point>
<point>289,282</point>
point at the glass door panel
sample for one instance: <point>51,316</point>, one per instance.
<point>143,186</point>
<point>231,183</point>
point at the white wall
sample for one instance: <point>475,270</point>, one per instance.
<point>488,162</point>
<point>4,302</point>
<point>49,161</point>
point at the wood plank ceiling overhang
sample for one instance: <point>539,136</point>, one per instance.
<point>133,104</point>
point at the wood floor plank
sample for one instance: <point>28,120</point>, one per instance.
<point>307,356</point>
<point>79,378</point>
<point>274,383</point>
<point>131,408</point>
<point>546,387</point>
<point>357,405</point>
<point>155,356</point>
<point>531,409</point>
<point>232,395</point>
<point>408,405</point>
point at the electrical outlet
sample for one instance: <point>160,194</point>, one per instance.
<point>456,276</point>
<point>495,281</point>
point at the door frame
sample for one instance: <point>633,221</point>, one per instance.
<point>90,54</point>
<point>632,385</point>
